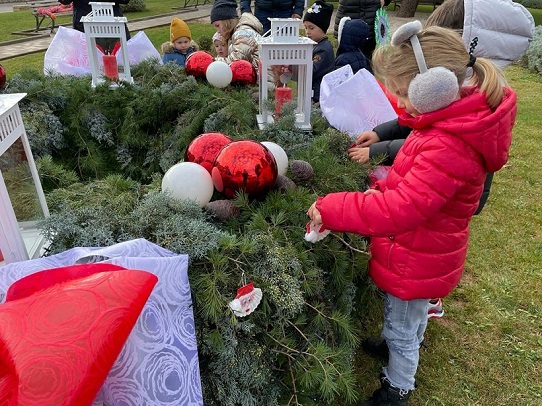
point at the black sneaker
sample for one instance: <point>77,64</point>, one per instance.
<point>376,347</point>
<point>388,395</point>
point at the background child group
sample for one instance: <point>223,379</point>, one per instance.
<point>237,37</point>
<point>455,125</point>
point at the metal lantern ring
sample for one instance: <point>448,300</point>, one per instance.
<point>101,23</point>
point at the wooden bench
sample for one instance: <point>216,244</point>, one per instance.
<point>49,19</point>
<point>434,3</point>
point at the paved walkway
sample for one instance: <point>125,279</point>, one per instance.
<point>41,43</point>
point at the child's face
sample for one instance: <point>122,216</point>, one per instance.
<point>182,44</point>
<point>221,48</point>
<point>403,102</point>
<point>313,31</point>
<point>220,27</point>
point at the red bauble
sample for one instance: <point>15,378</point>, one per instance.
<point>197,63</point>
<point>244,165</point>
<point>243,73</point>
<point>2,77</point>
<point>205,147</point>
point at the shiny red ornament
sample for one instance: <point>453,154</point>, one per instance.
<point>197,63</point>
<point>244,165</point>
<point>205,147</point>
<point>243,73</point>
<point>2,77</point>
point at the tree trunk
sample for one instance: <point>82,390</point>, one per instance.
<point>407,8</point>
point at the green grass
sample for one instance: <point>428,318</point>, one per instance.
<point>24,20</point>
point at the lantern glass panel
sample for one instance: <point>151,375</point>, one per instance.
<point>23,195</point>
<point>22,202</point>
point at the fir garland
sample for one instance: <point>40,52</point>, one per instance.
<point>102,156</point>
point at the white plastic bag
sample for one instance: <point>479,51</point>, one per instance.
<point>67,54</point>
<point>354,103</point>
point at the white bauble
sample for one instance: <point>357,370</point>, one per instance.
<point>219,74</point>
<point>280,156</point>
<point>189,181</point>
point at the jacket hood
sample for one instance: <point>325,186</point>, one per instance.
<point>504,29</point>
<point>470,118</point>
<point>248,20</point>
<point>352,34</point>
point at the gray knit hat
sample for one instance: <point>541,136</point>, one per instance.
<point>224,10</point>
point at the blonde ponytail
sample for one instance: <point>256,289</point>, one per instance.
<point>489,79</point>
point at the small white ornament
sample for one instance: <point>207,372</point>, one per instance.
<point>189,181</point>
<point>280,156</point>
<point>314,233</point>
<point>219,74</point>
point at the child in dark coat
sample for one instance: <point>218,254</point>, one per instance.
<point>316,21</point>
<point>352,38</point>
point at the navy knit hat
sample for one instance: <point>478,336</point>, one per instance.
<point>319,14</point>
<point>224,10</point>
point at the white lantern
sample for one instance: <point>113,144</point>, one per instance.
<point>22,202</point>
<point>284,47</point>
<point>101,23</point>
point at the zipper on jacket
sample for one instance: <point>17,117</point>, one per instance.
<point>391,238</point>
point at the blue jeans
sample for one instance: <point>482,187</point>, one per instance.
<point>405,322</point>
<point>262,15</point>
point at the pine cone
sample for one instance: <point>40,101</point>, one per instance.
<point>301,170</point>
<point>222,209</point>
<point>283,183</point>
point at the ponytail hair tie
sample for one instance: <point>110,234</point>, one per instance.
<point>472,60</point>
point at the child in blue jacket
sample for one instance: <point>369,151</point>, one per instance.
<point>181,45</point>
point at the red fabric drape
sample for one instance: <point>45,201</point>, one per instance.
<point>62,329</point>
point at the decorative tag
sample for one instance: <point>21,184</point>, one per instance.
<point>247,299</point>
<point>313,234</point>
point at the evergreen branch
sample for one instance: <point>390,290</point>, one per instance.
<point>292,377</point>
<point>298,330</point>
<point>349,246</point>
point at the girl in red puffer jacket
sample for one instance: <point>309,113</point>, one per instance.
<point>418,216</point>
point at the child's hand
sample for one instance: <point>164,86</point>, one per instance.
<point>359,154</point>
<point>367,138</point>
<point>314,215</point>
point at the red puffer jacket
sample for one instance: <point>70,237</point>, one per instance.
<point>419,223</point>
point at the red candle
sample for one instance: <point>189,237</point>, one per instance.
<point>111,69</point>
<point>282,95</point>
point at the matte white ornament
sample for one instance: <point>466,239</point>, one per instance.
<point>219,74</point>
<point>189,181</point>
<point>280,156</point>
